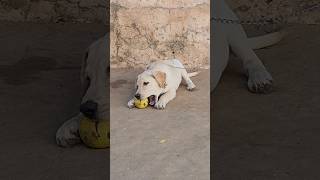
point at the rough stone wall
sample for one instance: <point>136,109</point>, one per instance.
<point>294,11</point>
<point>143,31</point>
<point>146,30</point>
<point>53,10</point>
<point>95,11</point>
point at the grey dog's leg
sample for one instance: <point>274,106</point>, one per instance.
<point>68,134</point>
<point>219,42</point>
<point>259,79</point>
<point>220,55</point>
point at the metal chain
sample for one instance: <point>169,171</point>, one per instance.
<point>264,21</point>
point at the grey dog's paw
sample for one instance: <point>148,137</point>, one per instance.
<point>68,134</point>
<point>259,80</point>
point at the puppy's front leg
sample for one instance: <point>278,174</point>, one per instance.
<point>68,134</point>
<point>165,98</point>
<point>131,103</point>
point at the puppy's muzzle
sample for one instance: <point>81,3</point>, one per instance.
<point>138,96</point>
<point>89,109</point>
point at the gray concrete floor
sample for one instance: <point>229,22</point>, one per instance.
<point>275,136</point>
<point>39,90</point>
<point>136,134</point>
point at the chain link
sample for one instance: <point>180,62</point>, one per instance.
<point>265,21</point>
<point>249,22</point>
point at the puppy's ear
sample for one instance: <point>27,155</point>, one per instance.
<point>160,78</point>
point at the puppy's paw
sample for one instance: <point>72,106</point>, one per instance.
<point>131,104</point>
<point>161,104</point>
<point>259,81</point>
<point>68,134</point>
<point>191,87</point>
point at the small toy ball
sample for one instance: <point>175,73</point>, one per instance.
<point>95,134</point>
<point>141,104</point>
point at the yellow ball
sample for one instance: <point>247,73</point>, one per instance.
<point>141,104</point>
<point>95,134</point>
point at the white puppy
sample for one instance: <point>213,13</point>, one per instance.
<point>94,85</point>
<point>160,81</point>
<point>232,36</point>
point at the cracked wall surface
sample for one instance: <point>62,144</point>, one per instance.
<point>53,10</point>
<point>143,31</point>
<point>295,11</point>
<point>146,30</point>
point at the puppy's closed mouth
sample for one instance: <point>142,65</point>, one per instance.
<point>152,100</point>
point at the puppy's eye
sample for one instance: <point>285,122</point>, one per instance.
<point>145,83</point>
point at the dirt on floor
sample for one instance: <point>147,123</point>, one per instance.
<point>39,90</point>
<point>275,136</point>
<point>173,143</point>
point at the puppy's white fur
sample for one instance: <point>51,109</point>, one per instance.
<point>162,78</point>
<point>233,36</point>
<point>94,85</point>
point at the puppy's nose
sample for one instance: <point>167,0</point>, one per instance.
<point>89,109</point>
<point>137,96</point>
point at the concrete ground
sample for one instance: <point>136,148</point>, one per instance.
<point>275,136</point>
<point>173,143</point>
<point>39,90</point>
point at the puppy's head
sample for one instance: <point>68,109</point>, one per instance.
<point>150,84</point>
<point>94,76</point>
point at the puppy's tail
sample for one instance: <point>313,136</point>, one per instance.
<point>193,74</point>
<point>266,40</point>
